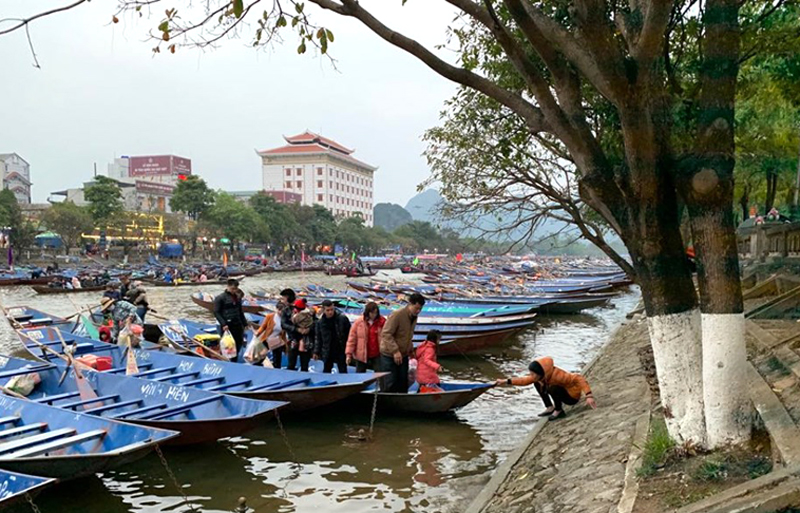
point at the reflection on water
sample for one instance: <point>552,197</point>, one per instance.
<point>413,464</point>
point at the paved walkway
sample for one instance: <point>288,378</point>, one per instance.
<point>578,464</point>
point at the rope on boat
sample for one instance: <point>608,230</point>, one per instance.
<point>32,504</point>
<point>174,480</point>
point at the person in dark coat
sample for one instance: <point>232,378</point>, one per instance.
<point>229,313</point>
<point>333,329</point>
<point>288,298</point>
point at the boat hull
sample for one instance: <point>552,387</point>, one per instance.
<point>419,404</point>
<point>16,486</point>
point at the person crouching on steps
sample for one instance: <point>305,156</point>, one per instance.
<point>557,387</point>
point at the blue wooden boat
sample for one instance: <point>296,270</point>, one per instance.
<point>47,441</point>
<point>26,316</point>
<point>454,395</point>
<point>14,487</point>
<point>303,390</point>
<point>199,416</point>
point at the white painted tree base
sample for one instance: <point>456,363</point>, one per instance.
<point>677,351</point>
<point>727,403</point>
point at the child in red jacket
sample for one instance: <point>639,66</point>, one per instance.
<point>427,366</point>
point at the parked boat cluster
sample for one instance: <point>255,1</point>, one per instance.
<point>60,419</point>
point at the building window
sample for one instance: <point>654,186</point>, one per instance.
<point>319,171</point>
<point>299,184</point>
<point>319,184</point>
<point>288,185</point>
<point>330,185</point>
<point>330,198</point>
<point>299,171</point>
<point>288,172</point>
<point>319,197</point>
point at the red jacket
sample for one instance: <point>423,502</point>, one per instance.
<point>427,366</point>
<point>359,338</point>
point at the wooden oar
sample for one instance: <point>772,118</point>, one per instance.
<point>84,388</point>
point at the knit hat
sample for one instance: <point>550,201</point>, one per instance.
<point>301,304</point>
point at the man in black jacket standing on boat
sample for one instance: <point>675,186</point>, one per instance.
<point>331,338</point>
<point>288,298</point>
<point>229,313</point>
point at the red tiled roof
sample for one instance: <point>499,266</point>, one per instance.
<point>310,137</point>
<point>300,148</point>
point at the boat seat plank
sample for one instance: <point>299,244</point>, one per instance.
<point>180,409</point>
<point>322,384</point>
<point>98,399</point>
<point>8,433</point>
<point>34,440</point>
<point>279,385</point>
<point>58,444</point>
<point>177,376</point>
<point>49,399</point>
<point>156,371</point>
<point>117,370</point>
<point>112,406</point>
<point>9,420</point>
<point>25,370</point>
<point>202,380</point>
<point>139,411</point>
<point>226,386</point>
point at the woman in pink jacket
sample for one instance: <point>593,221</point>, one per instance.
<point>363,344</point>
<point>427,366</point>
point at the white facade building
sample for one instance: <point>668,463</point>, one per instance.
<point>323,172</point>
<point>16,176</point>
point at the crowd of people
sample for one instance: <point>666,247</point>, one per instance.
<point>297,333</point>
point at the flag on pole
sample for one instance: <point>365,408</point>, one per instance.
<point>224,258</point>
<point>416,260</point>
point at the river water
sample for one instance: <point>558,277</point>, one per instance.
<point>412,464</point>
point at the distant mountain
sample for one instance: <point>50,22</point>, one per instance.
<point>424,206</point>
<point>390,216</point>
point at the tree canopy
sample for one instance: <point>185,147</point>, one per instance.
<point>192,196</point>
<point>68,220</point>
<point>105,200</point>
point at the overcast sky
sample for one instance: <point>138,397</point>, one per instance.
<point>101,93</point>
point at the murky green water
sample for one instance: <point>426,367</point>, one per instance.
<point>413,464</point>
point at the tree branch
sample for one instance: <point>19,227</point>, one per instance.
<point>23,22</point>
<point>532,115</point>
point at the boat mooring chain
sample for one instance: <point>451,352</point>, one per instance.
<point>286,442</point>
<point>33,505</point>
<point>174,479</point>
<point>374,411</point>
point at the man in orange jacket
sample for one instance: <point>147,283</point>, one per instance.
<point>556,386</point>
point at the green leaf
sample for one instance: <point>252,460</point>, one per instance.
<point>163,26</point>
<point>238,8</point>
<point>281,22</point>
<point>329,34</point>
<point>298,7</point>
<point>302,48</point>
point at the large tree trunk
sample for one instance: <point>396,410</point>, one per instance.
<point>772,190</point>
<point>706,184</point>
<point>674,325</point>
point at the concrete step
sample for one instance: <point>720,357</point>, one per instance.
<point>782,429</point>
<point>767,494</point>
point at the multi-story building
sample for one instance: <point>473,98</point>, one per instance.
<point>16,176</point>
<point>322,172</point>
<point>146,182</point>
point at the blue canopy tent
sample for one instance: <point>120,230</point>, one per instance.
<point>49,240</point>
<point>170,250</point>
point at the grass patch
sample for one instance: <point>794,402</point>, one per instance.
<point>711,470</point>
<point>657,449</point>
